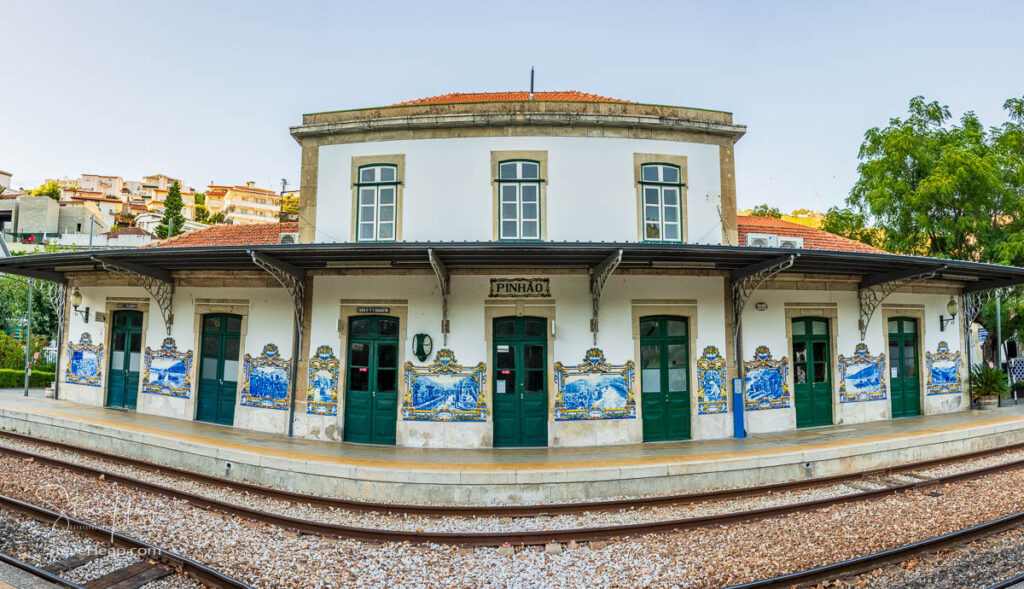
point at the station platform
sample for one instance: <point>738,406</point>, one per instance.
<point>508,476</point>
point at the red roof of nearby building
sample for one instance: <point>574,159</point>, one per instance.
<point>258,234</point>
<point>129,231</point>
<point>814,239</point>
<point>565,96</point>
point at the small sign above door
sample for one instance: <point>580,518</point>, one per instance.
<point>383,310</point>
<point>520,287</point>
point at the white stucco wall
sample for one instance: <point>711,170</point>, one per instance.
<point>591,189</point>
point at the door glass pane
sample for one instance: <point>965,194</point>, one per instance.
<point>676,327</point>
<point>909,365</point>
<point>534,381</point>
<point>819,372</point>
<point>136,319</point>
<point>909,326</point>
<point>120,319</point>
<point>650,364</point>
<point>800,373</point>
<point>648,328</point>
<point>386,381</point>
<point>386,356</point>
<point>504,365</point>
<point>819,352</point>
<point>360,355</point>
<point>386,196</point>
<point>117,360</point>
<point>234,324</point>
<point>799,352</point>
<point>210,349</point>
<point>529,193</point>
<point>211,323</point>
<point>135,342</point>
<point>819,328</point>
<point>361,326</point>
<point>651,197</point>
<point>119,341</point>
<point>231,353</point>
<point>359,378</point>
<point>894,355</point>
<point>799,327</point>
<point>677,379</point>
<point>534,327</point>
<point>894,326</point>
<point>676,355</point>
<point>533,357</point>
<point>670,196</point>
<point>388,327</point>
<point>505,328</point>
<point>134,359</point>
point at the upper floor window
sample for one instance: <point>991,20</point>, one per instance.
<point>519,200</point>
<point>661,187</point>
<point>378,190</point>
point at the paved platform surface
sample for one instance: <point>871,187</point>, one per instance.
<point>508,475</point>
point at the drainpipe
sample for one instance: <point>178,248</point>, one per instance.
<point>739,430</point>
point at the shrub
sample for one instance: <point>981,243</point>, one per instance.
<point>11,379</point>
<point>986,380</point>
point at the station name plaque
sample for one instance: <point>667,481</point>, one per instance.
<point>520,287</point>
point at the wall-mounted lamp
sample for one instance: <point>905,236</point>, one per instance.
<point>951,308</point>
<point>76,300</point>
<point>761,306</point>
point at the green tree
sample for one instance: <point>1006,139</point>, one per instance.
<point>851,224</point>
<point>172,214</point>
<point>216,218</point>
<point>202,213</point>
<point>50,189</point>
<point>14,307</point>
<point>766,211</point>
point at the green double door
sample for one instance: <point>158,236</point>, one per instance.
<point>904,379</point>
<point>125,359</point>
<point>812,378</point>
<point>664,378</point>
<point>218,368</point>
<point>371,393</point>
<point>520,381</point>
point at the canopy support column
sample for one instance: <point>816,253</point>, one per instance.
<point>158,283</point>
<point>57,293</point>
<point>599,275</point>
<point>444,285</point>
<point>875,288</point>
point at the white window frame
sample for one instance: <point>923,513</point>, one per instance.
<point>658,207</point>
<point>512,190</point>
<point>373,187</point>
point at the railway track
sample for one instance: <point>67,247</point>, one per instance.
<point>155,563</point>
<point>537,537</point>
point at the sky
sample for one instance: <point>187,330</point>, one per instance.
<point>206,91</point>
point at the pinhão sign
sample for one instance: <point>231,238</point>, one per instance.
<point>520,287</point>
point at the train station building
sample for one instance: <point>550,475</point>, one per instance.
<point>516,270</point>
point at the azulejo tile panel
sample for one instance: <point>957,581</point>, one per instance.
<point>594,389</point>
<point>765,383</point>
<point>711,388</point>
<point>861,376</point>
<point>266,380</point>
<point>943,371</point>
<point>322,398</point>
<point>167,371</point>
<point>444,390</point>
<point>85,362</point>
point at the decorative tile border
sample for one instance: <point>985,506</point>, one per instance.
<point>943,371</point>
<point>322,396</point>
<point>266,380</point>
<point>594,389</point>
<point>712,394</point>
<point>167,371</point>
<point>85,362</point>
<point>444,390</point>
<point>861,376</point>
<point>765,385</point>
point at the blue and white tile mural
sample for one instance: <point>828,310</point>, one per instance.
<point>444,390</point>
<point>711,388</point>
<point>594,389</point>
<point>85,362</point>
<point>266,379</point>
<point>943,370</point>
<point>168,372</point>
<point>765,383</point>
<point>322,398</point>
<point>861,376</point>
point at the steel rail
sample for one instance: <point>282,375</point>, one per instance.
<point>529,537</point>
<point>195,570</point>
<point>38,572</point>
<point>1008,583</point>
<point>870,562</point>
<point>509,510</point>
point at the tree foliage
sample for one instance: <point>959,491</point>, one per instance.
<point>173,222</point>
<point>50,189</point>
<point>851,224</point>
<point>14,308</point>
<point>766,211</point>
<point>202,213</point>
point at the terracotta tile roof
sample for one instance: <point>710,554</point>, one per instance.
<point>81,195</point>
<point>129,231</point>
<point>258,234</point>
<point>566,96</point>
<point>813,238</point>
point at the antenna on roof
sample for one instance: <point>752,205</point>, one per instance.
<point>531,82</point>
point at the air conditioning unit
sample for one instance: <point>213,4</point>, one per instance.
<point>762,240</point>
<point>792,242</point>
<point>288,238</point>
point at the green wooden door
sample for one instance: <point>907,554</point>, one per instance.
<point>371,393</point>
<point>520,381</point>
<point>664,378</point>
<point>812,372</point>
<point>904,371</point>
<point>218,368</point>
<point>125,359</point>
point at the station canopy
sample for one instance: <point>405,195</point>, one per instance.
<point>871,268</point>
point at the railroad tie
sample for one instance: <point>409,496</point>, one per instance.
<point>72,562</point>
<point>130,577</point>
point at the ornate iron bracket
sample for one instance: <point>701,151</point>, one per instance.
<point>444,285</point>
<point>599,276</point>
<point>746,281</point>
<point>292,278</point>
<point>875,288</point>
<point>158,283</point>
